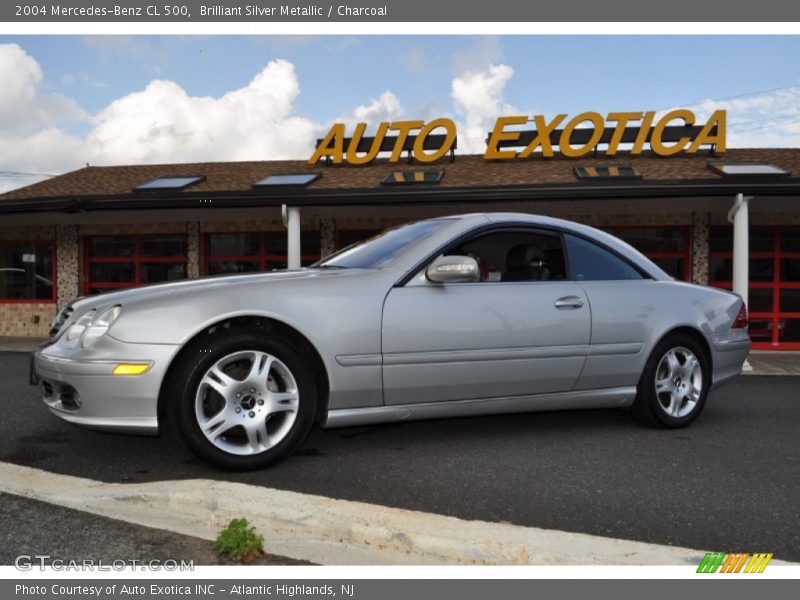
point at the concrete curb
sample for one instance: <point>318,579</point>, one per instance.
<point>328,531</point>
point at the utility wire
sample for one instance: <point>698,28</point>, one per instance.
<point>23,174</point>
<point>769,125</point>
<point>737,96</point>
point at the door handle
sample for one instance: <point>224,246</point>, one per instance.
<point>568,302</point>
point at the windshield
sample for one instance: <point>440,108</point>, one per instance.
<point>381,250</point>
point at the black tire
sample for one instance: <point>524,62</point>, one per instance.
<point>650,408</point>
<point>192,368</point>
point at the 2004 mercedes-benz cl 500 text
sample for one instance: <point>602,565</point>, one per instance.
<point>455,316</point>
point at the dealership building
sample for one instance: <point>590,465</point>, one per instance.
<point>103,228</point>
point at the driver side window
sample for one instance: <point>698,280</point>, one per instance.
<point>507,256</point>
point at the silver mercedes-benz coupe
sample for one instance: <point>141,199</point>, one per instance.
<point>455,316</point>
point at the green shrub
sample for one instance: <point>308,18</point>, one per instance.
<point>240,541</point>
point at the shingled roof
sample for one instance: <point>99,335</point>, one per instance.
<point>466,171</point>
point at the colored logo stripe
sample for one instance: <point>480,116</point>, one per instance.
<point>758,563</point>
<point>734,563</point>
<point>711,562</point>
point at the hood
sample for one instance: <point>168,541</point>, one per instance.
<point>229,283</point>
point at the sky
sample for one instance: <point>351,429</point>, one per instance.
<point>68,101</point>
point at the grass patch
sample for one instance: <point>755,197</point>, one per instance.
<point>240,541</point>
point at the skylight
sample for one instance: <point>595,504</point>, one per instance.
<point>170,183</point>
<point>595,172</point>
<point>412,177</point>
<point>287,179</point>
<point>745,169</point>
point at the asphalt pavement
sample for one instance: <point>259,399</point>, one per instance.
<point>730,482</point>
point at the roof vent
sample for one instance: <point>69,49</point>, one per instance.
<point>428,176</point>
<point>289,179</point>
<point>598,172</point>
<point>747,169</point>
<point>172,182</point>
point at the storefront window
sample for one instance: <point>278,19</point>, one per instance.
<point>230,253</point>
<point>762,239</point>
<point>27,272</point>
<point>123,261</point>
<point>774,287</point>
<point>668,247</point>
<point>760,300</point>
<point>721,269</point>
<point>348,237</point>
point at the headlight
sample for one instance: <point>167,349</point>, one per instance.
<point>74,333</point>
<point>100,325</point>
<point>91,327</point>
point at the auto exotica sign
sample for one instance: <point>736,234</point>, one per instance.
<point>674,132</point>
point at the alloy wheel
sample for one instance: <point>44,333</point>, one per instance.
<point>678,382</point>
<point>247,402</point>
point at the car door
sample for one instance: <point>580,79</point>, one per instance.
<point>621,301</point>
<point>503,336</point>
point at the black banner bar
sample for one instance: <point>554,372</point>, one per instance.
<point>463,11</point>
<point>242,588</point>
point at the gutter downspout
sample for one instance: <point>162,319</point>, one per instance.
<point>291,220</point>
<point>739,216</point>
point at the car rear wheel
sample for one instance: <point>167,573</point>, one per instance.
<point>674,384</point>
<point>246,402</point>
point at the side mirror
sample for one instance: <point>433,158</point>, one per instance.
<point>453,269</point>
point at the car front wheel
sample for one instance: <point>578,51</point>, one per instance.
<point>674,384</point>
<point>245,402</point>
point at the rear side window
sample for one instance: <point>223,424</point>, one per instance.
<point>590,262</point>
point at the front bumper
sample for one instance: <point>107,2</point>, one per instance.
<point>79,386</point>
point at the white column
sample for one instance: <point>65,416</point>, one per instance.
<point>738,215</point>
<point>293,237</point>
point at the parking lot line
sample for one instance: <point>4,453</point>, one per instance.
<point>330,531</point>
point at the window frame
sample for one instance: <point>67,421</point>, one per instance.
<point>54,297</point>
<point>501,227</point>
<point>262,258</point>
<point>137,259</point>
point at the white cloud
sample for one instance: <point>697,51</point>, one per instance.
<point>24,104</point>
<point>478,101</point>
<point>766,119</point>
<point>164,123</point>
<point>49,151</point>
<point>81,78</point>
<point>385,107</point>
<point>160,123</point>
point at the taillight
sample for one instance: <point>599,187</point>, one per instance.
<point>741,319</point>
